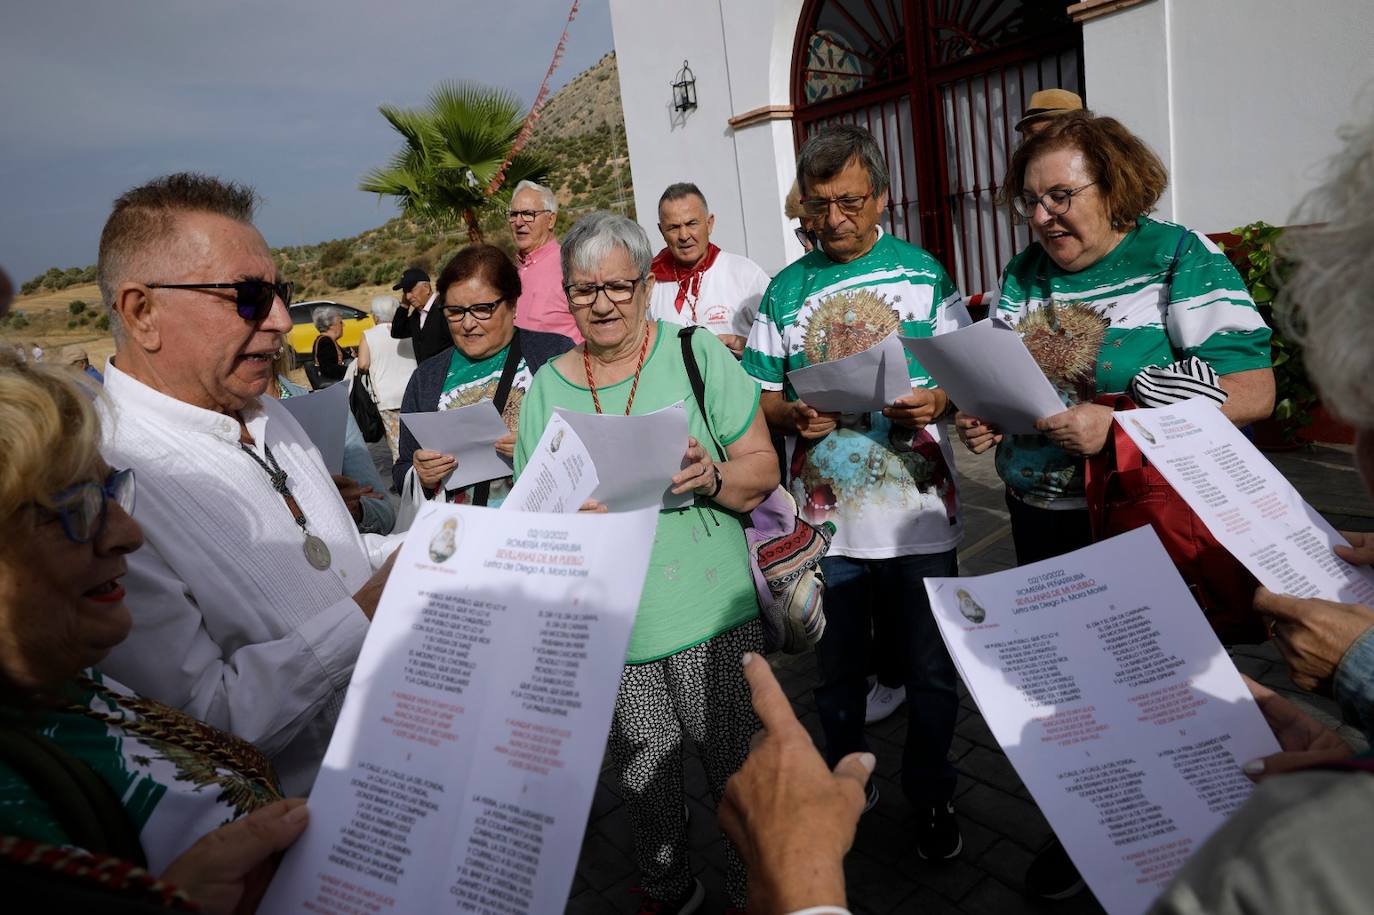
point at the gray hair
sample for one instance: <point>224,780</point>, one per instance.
<point>1326,300</point>
<point>324,317</point>
<point>550,199</point>
<point>683,189</point>
<point>827,153</point>
<point>593,236</point>
<point>383,309</point>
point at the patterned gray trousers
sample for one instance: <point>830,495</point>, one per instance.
<point>700,692</point>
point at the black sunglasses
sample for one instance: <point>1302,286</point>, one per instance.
<point>252,298</point>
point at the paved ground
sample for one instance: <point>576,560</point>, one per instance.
<point>1002,826</point>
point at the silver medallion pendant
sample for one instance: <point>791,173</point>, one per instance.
<point>316,552</point>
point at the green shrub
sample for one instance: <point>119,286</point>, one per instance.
<point>386,272</point>
<point>334,253</point>
<point>102,323</point>
<point>349,277</point>
<point>71,325</point>
<point>84,320</point>
<point>18,320</point>
<point>76,307</point>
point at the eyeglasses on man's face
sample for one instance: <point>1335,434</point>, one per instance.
<point>82,508</point>
<point>849,204</point>
<point>1056,201</point>
<point>482,311</point>
<point>525,215</point>
<point>618,292</point>
<point>252,298</point>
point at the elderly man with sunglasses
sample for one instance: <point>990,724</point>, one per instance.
<point>885,478</point>
<point>253,593</point>
<point>543,306</point>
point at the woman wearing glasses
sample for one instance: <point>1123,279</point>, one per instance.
<point>699,612</point>
<point>1103,293</point>
<point>84,762</point>
<point>490,360</point>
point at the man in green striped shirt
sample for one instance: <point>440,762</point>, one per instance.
<point>886,478</point>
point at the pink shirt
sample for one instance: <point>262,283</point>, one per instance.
<point>542,305</point>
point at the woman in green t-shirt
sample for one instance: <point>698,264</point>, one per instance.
<point>476,296</point>
<point>1103,292</point>
<point>699,610</point>
<point>101,775</point>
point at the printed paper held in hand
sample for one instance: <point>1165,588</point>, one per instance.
<point>463,764</point>
<point>635,456</point>
<point>324,417</point>
<point>469,434</point>
<point>1245,502</point>
<point>1123,715</point>
<point>860,383</point>
<point>559,476</point>
<point>987,371</point>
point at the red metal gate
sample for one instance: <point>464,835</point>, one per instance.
<point>939,83</point>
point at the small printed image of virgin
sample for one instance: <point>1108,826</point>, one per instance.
<point>969,607</point>
<point>445,541</point>
<point>556,442</point>
<point>1143,431</point>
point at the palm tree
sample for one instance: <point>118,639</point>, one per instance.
<point>453,149</point>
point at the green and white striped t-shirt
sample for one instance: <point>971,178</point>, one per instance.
<point>1093,330</point>
<point>890,491</point>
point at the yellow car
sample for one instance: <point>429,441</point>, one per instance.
<point>301,337</point>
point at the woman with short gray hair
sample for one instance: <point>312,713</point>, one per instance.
<point>385,365</point>
<point>699,612</point>
<point>328,355</point>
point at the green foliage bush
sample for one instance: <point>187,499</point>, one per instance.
<point>387,272</point>
<point>76,307</point>
<point>349,277</point>
<point>334,253</point>
<point>102,323</point>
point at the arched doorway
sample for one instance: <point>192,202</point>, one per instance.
<point>940,84</point>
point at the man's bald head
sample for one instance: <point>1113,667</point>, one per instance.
<point>143,225</point>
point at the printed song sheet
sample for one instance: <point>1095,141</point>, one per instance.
<point>461,771</point>
<point>635,456</point>
<point>865,381</point>
<point>1245,502</point>
<point>469,434</point>
<point>324,417</point>
<point>559,476</point>
<point>1121,712</point>
<point>987,371</point>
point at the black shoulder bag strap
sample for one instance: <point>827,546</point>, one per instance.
<point>481,492</point>
<point>689,360</point>
<point>84,805</point>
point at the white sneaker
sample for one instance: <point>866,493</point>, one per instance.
<point>882,702</point>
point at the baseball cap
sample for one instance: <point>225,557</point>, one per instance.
<point>410,278</point>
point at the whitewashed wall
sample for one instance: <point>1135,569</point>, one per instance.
<point>1241,98</point>
<point>741,53</point>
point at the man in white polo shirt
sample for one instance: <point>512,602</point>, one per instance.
<point>695,281</point>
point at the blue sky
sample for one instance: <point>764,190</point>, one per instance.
<point>97,96</point>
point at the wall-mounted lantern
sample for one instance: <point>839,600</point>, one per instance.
<point>684,89</point>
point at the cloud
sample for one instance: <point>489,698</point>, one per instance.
<point>283,95</point>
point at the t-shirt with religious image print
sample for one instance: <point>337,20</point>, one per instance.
<point>890,491</point>
<point>469,382</point>
<point>1094,330</point>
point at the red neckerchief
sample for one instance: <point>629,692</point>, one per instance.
<point>666,269</point>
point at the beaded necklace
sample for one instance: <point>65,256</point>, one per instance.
<point>587,367</point>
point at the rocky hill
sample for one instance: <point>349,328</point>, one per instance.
<point>581,133</point>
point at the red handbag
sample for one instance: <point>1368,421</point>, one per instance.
<point>1125,492</point>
